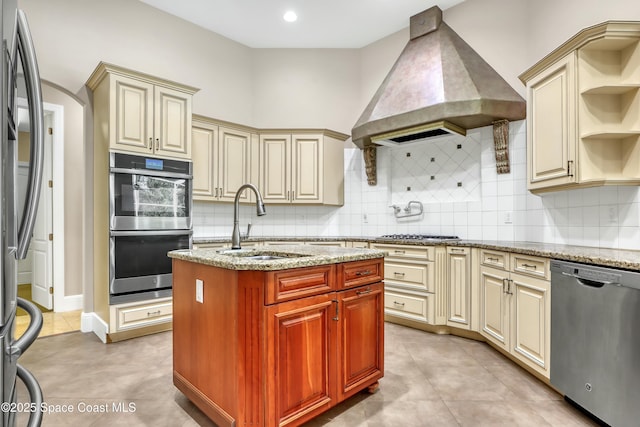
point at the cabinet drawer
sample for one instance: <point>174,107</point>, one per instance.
<point>530,265</point>
<point>425,253</point>
<point>359,273</point>
<point>416,276</point>
<point>137,316</point>
<point>494,259</point>
<point>285,285</point>
<point>414,307</point>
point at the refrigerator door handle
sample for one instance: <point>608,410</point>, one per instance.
<point>35,396</point>
<point>30,335</point>
<point>36,118</point>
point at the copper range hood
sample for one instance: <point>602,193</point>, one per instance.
<point>438,86</point>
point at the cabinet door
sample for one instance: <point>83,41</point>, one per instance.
<point>459,295</point>
<point>301,358</point>
<point>494,306</point>
<point>275,160</point>
<point>307,168</point>
<point>361,338</point>
<point>172,123</point>
<point>204,143</point>
<point>234,165</point>
<point>133,109</point>
<point>551,125</point>
<point>531,336</point>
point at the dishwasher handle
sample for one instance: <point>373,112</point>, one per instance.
<point>590,282</point>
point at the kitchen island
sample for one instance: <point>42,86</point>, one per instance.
<point>277,335</point>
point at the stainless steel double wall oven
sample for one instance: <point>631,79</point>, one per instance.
<point>150,215</point>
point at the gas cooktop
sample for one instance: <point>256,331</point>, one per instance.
<point>418,237</point>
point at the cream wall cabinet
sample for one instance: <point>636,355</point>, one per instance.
<point>224,158</point>
<point>302,168</point>
<point>138,113</point>
<point>583,110</point>
<point>516,306</point>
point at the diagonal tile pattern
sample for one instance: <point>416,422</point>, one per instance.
<point>430,380</point>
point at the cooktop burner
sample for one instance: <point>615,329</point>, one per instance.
<point>418,237</point>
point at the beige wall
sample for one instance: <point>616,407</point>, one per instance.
<point>72,36</point>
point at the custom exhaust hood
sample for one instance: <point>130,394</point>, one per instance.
<point>438,86</point>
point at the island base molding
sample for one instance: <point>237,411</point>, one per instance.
<point>206,405</point>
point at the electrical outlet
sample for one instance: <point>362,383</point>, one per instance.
<point>508,217</point>
<point>199,291</point>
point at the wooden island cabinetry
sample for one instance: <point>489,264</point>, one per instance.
<point>277,347</point>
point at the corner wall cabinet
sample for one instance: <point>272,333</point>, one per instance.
<point>224,158</point>
<point>138,113</point>
<point>515,306</point>
<point>583,110</point>
<point>302,167</point>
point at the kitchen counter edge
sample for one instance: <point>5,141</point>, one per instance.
<point>619,258</point>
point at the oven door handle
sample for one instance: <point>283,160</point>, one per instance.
<point>114,233</point>
<point>146,172</point>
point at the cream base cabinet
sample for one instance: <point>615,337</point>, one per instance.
<point>224,159</point>
<point>302,168</point>
<point>515,305</point>
<point>138,113</point>
<point>459,289</point>
<point>410,285</point>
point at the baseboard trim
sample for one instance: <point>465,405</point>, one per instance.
<point>91,322</point>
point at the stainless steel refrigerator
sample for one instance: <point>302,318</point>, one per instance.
<point>18,62</point>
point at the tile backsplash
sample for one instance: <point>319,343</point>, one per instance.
<point>486,206</point>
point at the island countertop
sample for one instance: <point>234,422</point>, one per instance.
<point>293,256</point>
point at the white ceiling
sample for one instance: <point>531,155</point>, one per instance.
<point>320,24</point>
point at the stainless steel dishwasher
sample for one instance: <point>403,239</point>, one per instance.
<point>595,340</point>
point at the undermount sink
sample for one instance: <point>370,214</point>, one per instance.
<point>264,257</point>
<point>258,255</point>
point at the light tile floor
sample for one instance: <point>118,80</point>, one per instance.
<point>52,323</point>
<point>430,380</point>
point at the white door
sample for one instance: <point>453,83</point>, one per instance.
<point>41,245</point>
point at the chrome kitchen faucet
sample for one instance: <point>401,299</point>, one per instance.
<point>260,211</point>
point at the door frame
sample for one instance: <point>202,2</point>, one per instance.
<point>60,301</point>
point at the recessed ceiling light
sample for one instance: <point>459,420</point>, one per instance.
<point>290,16</point>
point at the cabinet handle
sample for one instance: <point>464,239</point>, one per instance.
<point>153,313</point>
<point>510,282</point>
<point>364,292</point>
<point>157,143</point>
<point>220,193</point>
<point>336,316</point>
<point>401,304</point>
<point>363,273</point>
<point>397,251</point>
<point>529,266</point>
<point>151,144</point>
<point>293,195</point>
<point>288,195</point>
<point>398,273</point>
<point>492,259</point>
<point>569,167</point>
<point>504,286</point>
<point>456,250</point>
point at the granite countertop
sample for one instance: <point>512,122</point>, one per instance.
<point>295,256</point>
<point>618,258</point>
